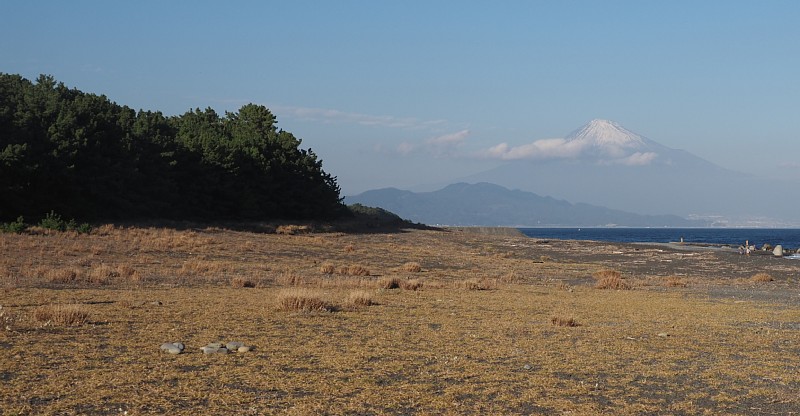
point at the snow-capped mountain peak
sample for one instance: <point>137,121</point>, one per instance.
<point>601,141</point>
<point>605,133</point>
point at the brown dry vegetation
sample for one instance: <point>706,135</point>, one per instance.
<point>612,282</point>
<point>510,277</point>
<point>761,278</point>
<point>482,283</point>
<point>302,300</point>
<point>354,270</point>
<point>675,281</point>
<point>61,315</point>
<point>291,229</point>
<point>62,275</point>
<point>606,273</point>
<point>411,267</point>
<point>327,268</point>
<point>563,321</point>
<point>361,298</point>
<point>242,282</point>
<point>291,279</point>
<point>410,284</point>
<point>328,343</point>
<point>389,283</point>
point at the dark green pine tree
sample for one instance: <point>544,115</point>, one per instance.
<point>86,157</point>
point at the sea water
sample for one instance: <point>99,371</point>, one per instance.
<point>789,238</point>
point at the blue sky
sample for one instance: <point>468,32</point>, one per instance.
<point>408,93</point>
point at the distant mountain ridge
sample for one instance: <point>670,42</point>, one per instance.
<point>602,163</point>
<point>493,205</point>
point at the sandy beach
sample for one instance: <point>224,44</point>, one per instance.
<point>409,322</point>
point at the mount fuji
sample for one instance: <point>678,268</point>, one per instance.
<point>603,163</point>
<point>607,137</point>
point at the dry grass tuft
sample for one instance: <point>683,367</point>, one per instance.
<point>410,284</point>
<point>564,321</point>
<point>480,284</point>
<point>101,275</point>
<point>242,282</point>
<point>6,319</point>
<point>61,276</point>
<point>354,270</point>
<point>607,273</point>
<point>129,273</point>
<point>327,268</point>
<point>389,283</point>
<point>510,277</point>
<point>411,267</point>
<point>613,283</point>
<point>291,279</point>
<point>105,230</point>
<point>675,281</point>
<point>198,268</point>
<point>34,273</point>
<point>128,302</point>
<point>292,229</point>
<point>163,239</point>
<point>61,315</point>
<point>85,262</point>
<point>340,282</point>
<point>349,248</point>
<point>761,278</point>
<point>7,279</point>
<point>302,300</point>
<point>360,298</point>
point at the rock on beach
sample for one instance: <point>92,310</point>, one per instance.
<point>219,347</point>
<point>234,345</point>
<point>214,348</point>
<point>173,347</point>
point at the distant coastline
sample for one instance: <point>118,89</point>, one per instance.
<point>789,238</point>
<point>508,231</point>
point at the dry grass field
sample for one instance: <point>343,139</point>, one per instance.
<point>413,322</point>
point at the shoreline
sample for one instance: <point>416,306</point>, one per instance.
<point>506,231</point>
<point>703,238</point>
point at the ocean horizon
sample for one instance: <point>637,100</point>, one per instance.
<point>789,238</point>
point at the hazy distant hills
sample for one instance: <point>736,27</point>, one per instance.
<point>493,205</point>
<point>603,163</point>
<point>613,173</point>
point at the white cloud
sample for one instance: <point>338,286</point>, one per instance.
<point>336,116</point>
<point>446,145</point>
<point>540,149</point>
<point>405,148</point>
<point>450,139</point>
<point>441,146</point>
<point>565,149</point>
<point>637,159</point>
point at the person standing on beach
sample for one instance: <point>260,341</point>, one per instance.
<point>747,247</point>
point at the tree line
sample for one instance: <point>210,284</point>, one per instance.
<point>83,156</point>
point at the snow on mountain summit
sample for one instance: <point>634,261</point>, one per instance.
<point>606,139</point>
<point>605,133</point>
<point>601,141</point>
